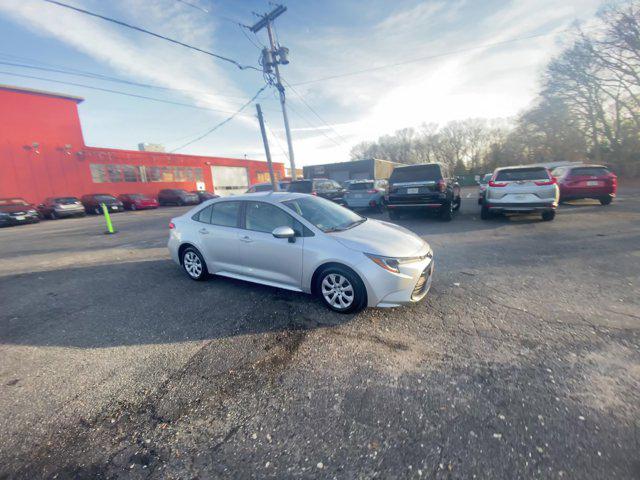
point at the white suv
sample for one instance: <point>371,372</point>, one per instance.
<point>521,190</point>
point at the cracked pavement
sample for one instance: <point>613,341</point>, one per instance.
<point>522,362</point>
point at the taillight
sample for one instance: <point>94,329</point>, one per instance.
<point>442,186</point>
<point>496,184</point>
<point>551,181</point>
<point>314,193</point>
<point>171,226</point>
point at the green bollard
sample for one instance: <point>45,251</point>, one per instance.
<point>107,217</point>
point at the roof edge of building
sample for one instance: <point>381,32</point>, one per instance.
<point>33,91</point>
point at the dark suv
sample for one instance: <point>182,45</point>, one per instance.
<point>322,187</point>
<point>426,186</point>
<point>177,196</point>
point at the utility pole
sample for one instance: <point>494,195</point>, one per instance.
<point>266,148</point>
<point>273,57</point>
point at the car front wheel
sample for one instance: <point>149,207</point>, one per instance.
<point>548,215</point>
<point>341,290</point>
<point>605,200</point>
<point>194,264</point>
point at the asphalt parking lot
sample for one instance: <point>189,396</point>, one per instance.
<point>522,362</point>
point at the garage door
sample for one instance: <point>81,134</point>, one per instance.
<point>229,180</point>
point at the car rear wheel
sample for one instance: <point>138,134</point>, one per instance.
<point>194,264</point>
<point>605,200</point>
<point>548,215</point>
<point>54,215</point>
<point>341,290</point>
<point>485,213</point>
<point>446,212</point>
<point>97,210</point>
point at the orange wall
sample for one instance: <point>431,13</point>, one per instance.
<point>60,164</point>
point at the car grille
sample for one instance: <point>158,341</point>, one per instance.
<point>423,283</point>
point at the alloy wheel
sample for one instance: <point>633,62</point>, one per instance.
<point>192,264</point>
<point>337,291</point>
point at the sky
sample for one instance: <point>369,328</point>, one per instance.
<point>358,69</point>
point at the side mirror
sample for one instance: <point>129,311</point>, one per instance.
<point>284,232</point>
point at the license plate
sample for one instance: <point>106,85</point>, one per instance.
<point>114,208</point>
<point>593,184</point>
<point>413,190</point>
<point>20,217</point>
<point>521,197</point>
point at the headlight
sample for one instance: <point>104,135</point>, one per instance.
<point>392,264</point>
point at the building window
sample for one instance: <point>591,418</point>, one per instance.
<point>130,173</point>
<point>199,177</point>
<point>105,173</point>
<point>98,174</point>
<point>115,173</point>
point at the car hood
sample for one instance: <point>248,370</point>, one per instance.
<point>382,238</point>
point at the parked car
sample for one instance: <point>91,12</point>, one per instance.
<point>93,203</point>
<point>266,187</point>
<point>16,211</point>
<point>482,186</point>
<point>521,190</point>
<point>322,187</point>
<point>204,195</point>
<point>177,196</point>
<point>586,181</point>
<point>304,243</point>
<point>426,186</point>
<point>137,201</point>
<point>366,194</point>
<point>61,207</point>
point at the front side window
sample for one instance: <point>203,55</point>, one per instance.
<point>264,217</point>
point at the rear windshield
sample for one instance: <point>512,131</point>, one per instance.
<point>263,188</point>
<point>590,171</point>
<point>518,174</point>
<point>104,198</point>
<point>361,186</point>
<point>300,187</point>
<point>12,201</point>
<point>65,200</point>
<point>416,173</point>
<point>484,180</point>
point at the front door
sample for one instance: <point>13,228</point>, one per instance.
<point>266,258</point>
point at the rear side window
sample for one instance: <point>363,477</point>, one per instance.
<point>361,186</point>
<point>590,171</point>
<point>416,173</point>
<point>224,214</point>
<point>519,174</point>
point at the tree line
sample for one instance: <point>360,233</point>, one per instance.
<point>587,109</point>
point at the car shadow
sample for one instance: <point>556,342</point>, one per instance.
<point>150,302</point>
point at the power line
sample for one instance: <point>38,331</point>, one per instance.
<point>118,92</point>
<point>148,32</point>
<point>193,5</point>
<point>313,111</point>
<point>277,140</point>
<point>226,120</point>
<point>427,57</point>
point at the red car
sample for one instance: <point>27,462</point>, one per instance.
<point>137,201</point>
<point>586,181</point>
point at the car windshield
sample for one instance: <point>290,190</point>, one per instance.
<point>12,201</point>
<point>104,198</point>
<point>324,214</point>
<point>484,180</point>
<point>66,200</point>
<point>522,174</point>
<point>302,186</point>
<point>590,171</point>
<point>416,173</point>
<point>361,186</point>
<point>136,196</point>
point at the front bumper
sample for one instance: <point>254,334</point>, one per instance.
<point>387,289</point>
<point>10,220</point>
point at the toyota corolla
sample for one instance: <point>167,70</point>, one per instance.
<point>303,243</point>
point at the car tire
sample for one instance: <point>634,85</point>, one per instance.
<point>457,204</point>
<point>548,215</point>
<point>133,207</point>
<point>180,203</point>
<point>446,212</point>
<point>341,290</point>
<point>193,264</point>
<point>394,214</point>
<point>605,200</point>
<point>97,210</point>
<point>485,213</point>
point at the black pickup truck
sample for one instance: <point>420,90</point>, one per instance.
<point>426,186</point>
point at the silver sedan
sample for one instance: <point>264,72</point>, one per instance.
<point>303,243</point>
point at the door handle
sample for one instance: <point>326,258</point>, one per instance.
<point>246,238</point>
<point>203,231</point>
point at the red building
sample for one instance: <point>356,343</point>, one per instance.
<point>43,154</point>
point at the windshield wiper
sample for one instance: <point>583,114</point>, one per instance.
<point>356,223</point>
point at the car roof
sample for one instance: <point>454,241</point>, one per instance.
<point>271,197</point>
<point>518,167</point>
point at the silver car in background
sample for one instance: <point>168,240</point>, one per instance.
<point>521,190</point>
<point>306,244</point>
<point>366,194</point>
<point>482,186</point>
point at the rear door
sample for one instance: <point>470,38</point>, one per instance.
<point>266,258</point>
<point>219,233</point>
